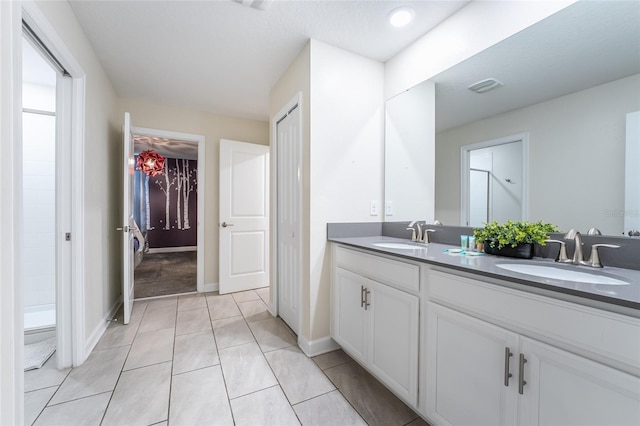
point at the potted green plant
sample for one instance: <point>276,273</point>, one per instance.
<point>513,239</point>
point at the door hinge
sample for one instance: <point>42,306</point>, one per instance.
<point>67,236</point>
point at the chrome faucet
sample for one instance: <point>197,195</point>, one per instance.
<point>594,231</point>
<point>594,259</point>
<point>425,236</point>
<point>562,253</point>
<point>578,258</point>
<point>415,236</point>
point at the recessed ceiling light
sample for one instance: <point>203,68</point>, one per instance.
<point>401,16</point>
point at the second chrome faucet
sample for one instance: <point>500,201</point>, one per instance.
<point>578,256</point>
<point>417,234</point>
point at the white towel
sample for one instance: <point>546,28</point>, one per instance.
<point>36,354</point>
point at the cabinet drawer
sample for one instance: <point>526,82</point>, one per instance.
<point>397,273</point>
<point>604,336</point>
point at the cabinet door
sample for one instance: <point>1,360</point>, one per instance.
<point>466,361</point>
<point>566,389</point>
<point>349,316</point>
<point>393,339</point>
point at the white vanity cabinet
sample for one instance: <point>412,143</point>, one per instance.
<point>487,363</point>
<point>466,370</point>
<point>375,317</point>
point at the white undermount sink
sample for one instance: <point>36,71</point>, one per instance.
<point>560,273</point>
<point>399,246</point>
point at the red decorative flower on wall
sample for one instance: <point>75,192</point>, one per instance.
<point>150,163</point>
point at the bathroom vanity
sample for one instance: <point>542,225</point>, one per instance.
<point>467,340</point>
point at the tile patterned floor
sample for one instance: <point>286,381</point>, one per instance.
<point>208,359</point>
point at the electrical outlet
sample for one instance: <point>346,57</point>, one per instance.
<point>374,208</point>
<point>388,208</point>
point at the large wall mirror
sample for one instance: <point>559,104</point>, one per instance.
<point>569,83</point>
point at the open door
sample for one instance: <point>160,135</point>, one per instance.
<point>244,216</point>
<point>127,220</point>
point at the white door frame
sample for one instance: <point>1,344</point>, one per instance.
<point>200,191</point>
<point>273,306</point>
<point>69,296</point>
<point>72,350</point>
<point>465,157</point>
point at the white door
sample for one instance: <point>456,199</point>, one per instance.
<point>472,370</point>
<point>289,194</point>
<point>127,220</point>
<point>566,389</point>
<point>244,216</point>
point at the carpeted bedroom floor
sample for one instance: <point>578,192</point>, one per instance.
<point>161,274</point>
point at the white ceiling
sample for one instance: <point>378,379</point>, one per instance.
<point>224,57</point>
<point>587,44</point>
<point>171,148</point>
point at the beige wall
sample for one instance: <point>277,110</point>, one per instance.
<point>576,156</point>
<point>213,128</point>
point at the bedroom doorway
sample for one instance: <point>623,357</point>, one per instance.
<point>167,210</point>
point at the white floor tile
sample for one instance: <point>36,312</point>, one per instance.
<point>266,407</point>
<point>328,409</point>
<point>141,397</point>
<point>150,348</point>
<point>193,321</point>
<point>231,332</point>
<point>245,370</point>
<point>224,307</point>
<point>98,374</point>
<point>199,398</point>
<point>82,412</point>
<point>243,296</point>
<point>299,376</point>
<point>119,334</point>
<point>254,310</point>
<point>158,319</point>
<point>46,376</point>
<point>272,334</point>
<point>191,301</point>
<point>34,403</point>
<point>194,351</point>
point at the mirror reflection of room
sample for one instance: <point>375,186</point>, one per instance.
<point>570,91</point>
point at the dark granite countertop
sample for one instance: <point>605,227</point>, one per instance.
<point>623,298</point>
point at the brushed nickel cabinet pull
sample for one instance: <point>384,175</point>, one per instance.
<point>522,382</point>
<point>362,296</point>
<point>507,375</point>
<point>366,298</point>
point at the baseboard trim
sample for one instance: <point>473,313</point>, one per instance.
<point>172,249</point>
<point>318,346</point>
<point>99,330</point>
<point>211,287</point>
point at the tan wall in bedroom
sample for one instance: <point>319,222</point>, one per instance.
<point>213,128</point>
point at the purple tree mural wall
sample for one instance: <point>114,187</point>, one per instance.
<point>173,205</point>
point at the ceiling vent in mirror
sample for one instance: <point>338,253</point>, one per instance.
<point>485,85</point>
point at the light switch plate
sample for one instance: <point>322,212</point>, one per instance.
<point>373,208</point>
<point>388,208</point>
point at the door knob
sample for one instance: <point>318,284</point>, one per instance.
<point>125,229</point>
<point>225,224</point>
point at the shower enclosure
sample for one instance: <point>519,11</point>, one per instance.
<point>39,190</point>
